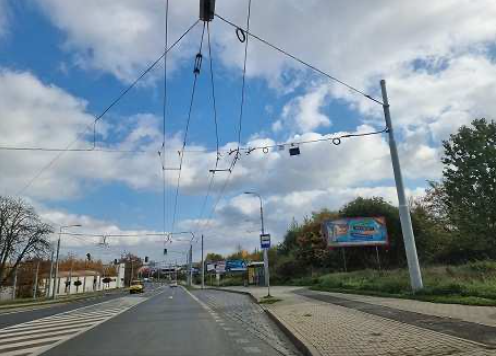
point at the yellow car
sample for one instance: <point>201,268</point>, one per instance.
<point>136,287</point>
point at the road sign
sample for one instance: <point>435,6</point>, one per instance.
<point>265,241</point>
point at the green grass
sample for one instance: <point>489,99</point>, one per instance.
<point>269,300</point>
<point>470,284</point>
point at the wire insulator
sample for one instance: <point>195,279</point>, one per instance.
<point>198,63</point>
<point>240,33</point>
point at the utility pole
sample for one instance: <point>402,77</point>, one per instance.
<point>190,265</point>
<point>132,272</point>
<point>51,279</point>
<point>35,287</point>
<point>57,257</point>
<point>404,209</point>
<point>14,284</point>
<point>203,266</point>
<point>266,252</point>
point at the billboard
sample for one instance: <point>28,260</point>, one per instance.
<point>235,265</point>
<point>347,232</point>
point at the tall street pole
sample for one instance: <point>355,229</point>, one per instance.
<point>203,266</point>
<point>266,252</point>
<point>55,282</point>
<point>51,279</point>
<point>35,287</point>
<point>57,258</point>
<point>404,209</point>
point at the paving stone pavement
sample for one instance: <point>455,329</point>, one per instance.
<point>474,314</point>
<point>241,310</point>
<point>340,331</point>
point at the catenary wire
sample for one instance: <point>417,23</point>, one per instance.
<point>164,114</point>
<point>196,72</point>
<point>314,68</point>
<point>99,117</point>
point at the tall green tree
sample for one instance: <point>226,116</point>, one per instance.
<point>469,180</point>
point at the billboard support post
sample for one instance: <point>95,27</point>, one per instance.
<point>405,218</point>
<point>377,256</point>
<point>343,253</point>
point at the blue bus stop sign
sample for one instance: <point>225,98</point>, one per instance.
<point>265,241</point>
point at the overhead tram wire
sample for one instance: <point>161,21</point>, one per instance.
<point>214,106</point>
<point>241,112</point>
<point>196,73</point>
<point>164,113</point>
<point>314,68</point>
<point>104,112</point>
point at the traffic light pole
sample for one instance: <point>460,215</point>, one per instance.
<point>203,266</point>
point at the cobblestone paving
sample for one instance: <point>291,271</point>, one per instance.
<point>335,330</point>
<point>243,311</point>
<point>474,314</point>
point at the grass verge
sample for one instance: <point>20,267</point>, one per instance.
<point>469,284</point>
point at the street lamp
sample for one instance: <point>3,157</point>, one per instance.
<point>57,257</point>
<point>266,254</point>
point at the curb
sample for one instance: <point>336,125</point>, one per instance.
<point>255,300</point>
<point>291,334</point>
<point>305,349</point>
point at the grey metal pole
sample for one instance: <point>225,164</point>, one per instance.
<point>405,218</point>
<point>70,277</point>
<point>203,265</point>
<point>50,286</point>
<point>266,252</point>
<point>190,265</point>
<point>14,284</point>
<point>55,282</point>
<point>35,287</point>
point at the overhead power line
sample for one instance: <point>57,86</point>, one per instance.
<point>301,61</point>
<point>104,112</point>
<point>196,73</point>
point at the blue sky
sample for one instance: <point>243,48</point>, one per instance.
<point>63,62</point>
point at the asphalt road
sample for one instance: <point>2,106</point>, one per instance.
<point>163,321</point>
<point>22,315</point>
<point>171,323</point>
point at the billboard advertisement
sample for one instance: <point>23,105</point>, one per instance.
<point>347,232</point>
<point>235,265</point>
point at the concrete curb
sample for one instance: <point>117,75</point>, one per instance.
<point>293,335</point>
<point>255,300</point>
<point>304,348</point>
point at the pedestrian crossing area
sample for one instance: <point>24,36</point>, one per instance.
<point>37,336</point>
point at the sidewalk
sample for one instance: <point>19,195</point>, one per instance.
<point>329,329</point>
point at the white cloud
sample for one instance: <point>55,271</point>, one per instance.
<point>120,37</point>
<point>304,113</point>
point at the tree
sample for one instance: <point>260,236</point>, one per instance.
<point>469,183</point>
<point>214,257</point>
<point>22,235</point>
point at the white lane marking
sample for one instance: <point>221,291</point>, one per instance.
<point>242,341</point>
<point>29,343</point>
<point>36,332</point>
<point>41,327</point>
<point>38,336</point>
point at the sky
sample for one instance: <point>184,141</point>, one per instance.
<point>63,63</point>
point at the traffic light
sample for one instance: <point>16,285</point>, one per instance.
<point>165,251</point>
<point>146,259</point>
<point>88,256</point>
<point>115,261</point>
